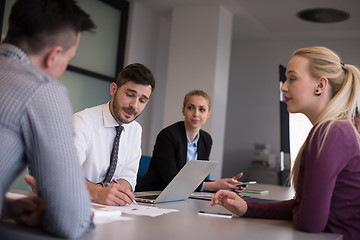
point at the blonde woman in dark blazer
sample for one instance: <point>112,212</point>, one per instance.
<point>181,142</point>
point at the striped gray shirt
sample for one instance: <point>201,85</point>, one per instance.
<point>36,128</point>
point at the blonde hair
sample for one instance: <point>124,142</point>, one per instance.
<point>344,80</point>
<point>197,93</point>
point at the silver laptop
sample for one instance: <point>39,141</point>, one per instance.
<point>182,185</point>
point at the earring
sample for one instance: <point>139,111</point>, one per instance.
<point>317,92</point>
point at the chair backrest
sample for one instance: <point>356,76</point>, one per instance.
<point>143,167</point>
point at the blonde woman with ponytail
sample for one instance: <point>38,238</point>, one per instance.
<point>326,173</point>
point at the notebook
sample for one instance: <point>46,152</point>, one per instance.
<point>183,184</point>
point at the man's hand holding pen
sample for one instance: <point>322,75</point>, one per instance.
<point>114,194</point>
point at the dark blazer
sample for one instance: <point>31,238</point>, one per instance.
<point>169,156</point>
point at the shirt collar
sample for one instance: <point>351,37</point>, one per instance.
<point>109,120</point>
<point>195,142</point>
<point>8,50</point>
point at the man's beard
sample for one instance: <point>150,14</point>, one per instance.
<point>116,110</point>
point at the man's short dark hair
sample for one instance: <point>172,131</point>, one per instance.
<point>137,73</point>
<point>40,23</point>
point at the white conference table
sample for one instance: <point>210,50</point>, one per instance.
<point>187,224</point>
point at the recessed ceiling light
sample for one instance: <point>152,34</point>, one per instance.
<point>323,15</point>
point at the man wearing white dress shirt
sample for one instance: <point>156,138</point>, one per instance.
<point>95,133</point>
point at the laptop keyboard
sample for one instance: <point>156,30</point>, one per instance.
<point>151,197</point>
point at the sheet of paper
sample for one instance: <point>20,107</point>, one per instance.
<point>110,219</point>
<point>137,209</point>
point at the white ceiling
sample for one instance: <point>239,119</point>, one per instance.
<point>275,19</point>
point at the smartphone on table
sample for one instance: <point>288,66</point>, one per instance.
<point>244,184</point>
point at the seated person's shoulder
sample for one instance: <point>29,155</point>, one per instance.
<point>173,130</point>
<point>133,129</point>
<point>87,118</point>
<point>206,135</point>
<point>338,127</point>
<point>89,113</point>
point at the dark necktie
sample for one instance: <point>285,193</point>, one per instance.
<point>114,155</point>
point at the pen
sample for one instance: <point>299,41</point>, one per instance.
<point>115,181</point>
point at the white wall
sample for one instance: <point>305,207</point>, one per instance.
<point>147,43</point>
<point>199,58</point>
<point>253,97</point>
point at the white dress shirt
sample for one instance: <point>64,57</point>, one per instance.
<point>94,138</point>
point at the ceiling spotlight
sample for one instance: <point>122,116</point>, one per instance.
<point>323,15</point>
